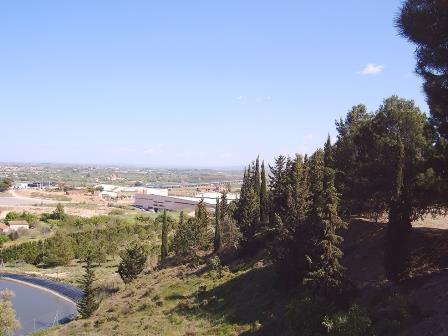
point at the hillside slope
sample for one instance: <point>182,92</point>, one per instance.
<point>184,300</point>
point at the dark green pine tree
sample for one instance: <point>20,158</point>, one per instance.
<point>425,23</point>
<point>224,205</point>
<point>278,181</point>
<point>328,153</point>
<point>217,241</point>
<point>396,252</point>
<point>133,261</point>
<point>316,168</point>
<point>88,303</point>
<point>247,213</point>
<point>181,218</point>
<point>264,200</point>
<point>164,247</point>
<point>257,177</point>
<point>327,271</point>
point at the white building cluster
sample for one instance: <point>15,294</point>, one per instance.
<point>157,202</point>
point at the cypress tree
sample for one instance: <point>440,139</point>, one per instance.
<point>88,304</point>
<point>279,188</point>
<point>264,205</point>
<point>164,247</point>
<point>217,242</point>
<point>181,219</point>
<point>224,205</point>
<point>327,271</point>
<point>247,213</point>
<point>316,187</point>
<point>256,177</point>
<point>328,153</point>
<point>396,252</point>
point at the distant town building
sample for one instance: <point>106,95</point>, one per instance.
<point>177,203</point>
<point>112,192</point>
<point>20,185</point>
<point>4,229</point>
<point>16,225</point>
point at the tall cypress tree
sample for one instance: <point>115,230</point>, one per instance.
<point>217,242</point>
<point>256,177</point>
<point>224,205</point>
<point>88,304</point>
<point>164,247</point>
<point>396,252</point>
<point>279,189</point>
<point>181,219</point>
<point>264,201</point>
<point>327,272</point>
<point>247,213</point>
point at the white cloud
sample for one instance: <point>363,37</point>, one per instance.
<point>240,98</point>
<point>308,136</point>
<point>262,99</point>
<point>371,69</point>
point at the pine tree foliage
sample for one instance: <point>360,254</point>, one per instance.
<point>425,23</point>
<point>327,271</point>
<point>248,209</point>
<point>88,303</point>
<point>217,241</point>
<point>264,198</point>
<point>133,260</point>
<point>164,246</point>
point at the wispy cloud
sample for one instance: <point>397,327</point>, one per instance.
<point>240,98</point>
<point>371,69</point>
<point>308,136</point>
<point>262,99</point>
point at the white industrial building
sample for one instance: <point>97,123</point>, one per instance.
<point>177,203</point>
<point>111,191</point>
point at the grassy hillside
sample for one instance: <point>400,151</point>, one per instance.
<point>243,299</point>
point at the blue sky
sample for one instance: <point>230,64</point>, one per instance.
<point>191,83</point>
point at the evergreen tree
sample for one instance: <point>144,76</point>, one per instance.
<point>202,226</point>
<point>279,189</point>
<point>327,271</point>
<point>8,320</point>
<point>247,213</point>
<point>264,201</point>
<point>425,23</point>
<point>328,153</point>
<point>133,261</point>
<point>316,184</point>
<point>224,205</point>
<point>164,246</point>
<point>396,251</point>
<point>217,242</point>
<point>257,177</point>
<point>181,219</point>
<point>88,303</point>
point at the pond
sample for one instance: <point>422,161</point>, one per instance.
<point>36,308</point>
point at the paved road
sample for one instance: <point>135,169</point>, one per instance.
<point>13,200</point>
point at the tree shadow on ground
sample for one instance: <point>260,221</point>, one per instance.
<point>248,299</point>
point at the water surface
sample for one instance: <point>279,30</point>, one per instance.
<point>36,308</point>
